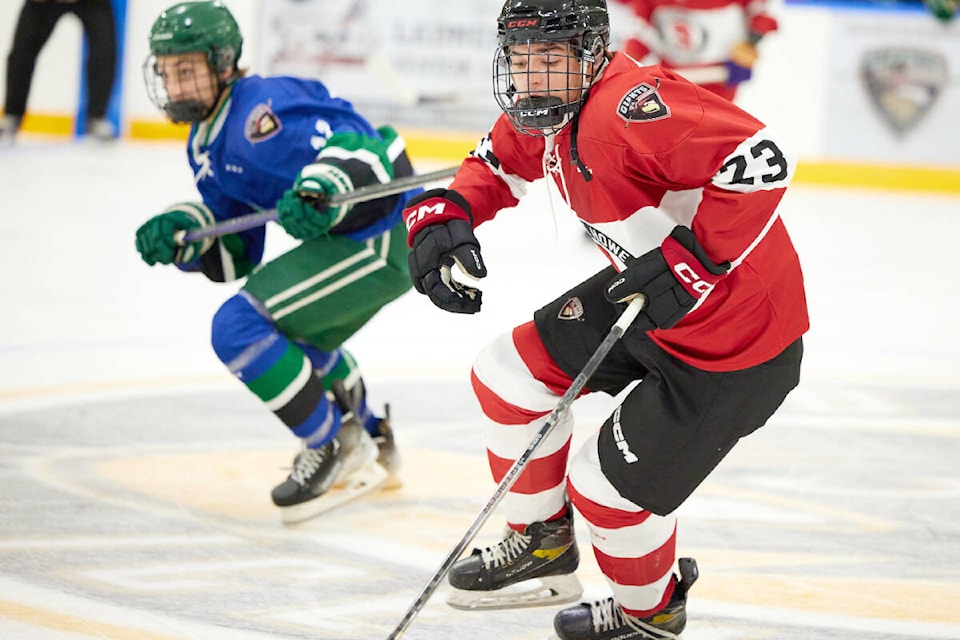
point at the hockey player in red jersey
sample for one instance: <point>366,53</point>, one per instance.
<point>710,42</point>
<point>711,357</point>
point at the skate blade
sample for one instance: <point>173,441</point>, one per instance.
<point>358,484</point>
<point>537,592</point>
<point>370,452</point>
<point>392,483</point>
<point>669,636</point>
<point>389,460</point>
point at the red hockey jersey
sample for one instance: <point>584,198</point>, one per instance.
<point>685,33</point>
<point>654,144</point>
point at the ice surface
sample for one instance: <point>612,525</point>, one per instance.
<point>136,472</point>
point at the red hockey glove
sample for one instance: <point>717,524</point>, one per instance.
<point>440,232</point>
<point>672,277</point>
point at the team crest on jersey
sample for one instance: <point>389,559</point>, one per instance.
<point>571,310</point>
<point>643,104</point>
<point>262,124</point>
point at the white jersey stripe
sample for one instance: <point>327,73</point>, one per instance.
<point>500,367</point>
<point>286,294</point>
<point>642,598</point>
<point>510,441</point>
<point>589,481</point>
<point>636,540</point>
<point>535,507</point>
<point>335,286</point>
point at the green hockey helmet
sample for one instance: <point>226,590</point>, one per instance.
<point>206,28</point>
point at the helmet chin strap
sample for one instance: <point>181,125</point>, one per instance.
<point>584,170</point>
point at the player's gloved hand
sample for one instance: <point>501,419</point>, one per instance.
<point>302,211</point>
<point>672,278</point>
<point>159,238</point>
<point>440,232</point>
<point>740,65</point>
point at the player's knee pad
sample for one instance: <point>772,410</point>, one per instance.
<point>237,325</point>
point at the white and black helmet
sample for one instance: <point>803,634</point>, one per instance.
<point>583,24</point>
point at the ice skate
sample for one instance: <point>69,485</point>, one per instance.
<point>336,473</point>
<point>526,569</point>
<point>605,620</point>
<point>101,130</point>
<point>387,454</point>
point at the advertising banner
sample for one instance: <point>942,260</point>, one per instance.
<point>894,88</point>
<point>416,62</point>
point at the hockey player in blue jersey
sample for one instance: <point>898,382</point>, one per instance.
<point>260,143</point>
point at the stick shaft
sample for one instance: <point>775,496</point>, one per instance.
<point>363,194</point>
<point>705,75</point>
<point>626,318</point>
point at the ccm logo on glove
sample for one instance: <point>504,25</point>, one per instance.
<point>672,278</point>
<point>696,278</point>
<point>435,207</point>
<point>440,232</point>
<point>689,276</point>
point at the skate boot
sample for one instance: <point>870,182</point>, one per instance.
<point>341,470</point>
<point>387,454</point>
<point>101,130</point>
<point>526,569</point>
<point>605,620</point>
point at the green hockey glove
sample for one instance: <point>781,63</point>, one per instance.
<point>302,211</point>
<point>157,238</point>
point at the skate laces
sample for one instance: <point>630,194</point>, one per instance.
<point>505,551</point>
<point>609,616</point>
<point>307,464</point>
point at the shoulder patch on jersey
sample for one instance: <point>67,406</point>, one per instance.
<point>642,104</point>
<point>262,124</point>
<point>571,310</point>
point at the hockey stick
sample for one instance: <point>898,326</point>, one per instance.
<point>363,194</point>
<point>624,321</point>
<point>705,75</point>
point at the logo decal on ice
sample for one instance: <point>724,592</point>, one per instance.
<point>571,310</point>
<point>642,104</point>
<point>262,124</point>
<point>903,84</point>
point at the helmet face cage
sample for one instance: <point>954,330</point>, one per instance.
<point>546,60</point>
<point>207,28</point>
<point>564,76</point>
<point>203,89</point>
